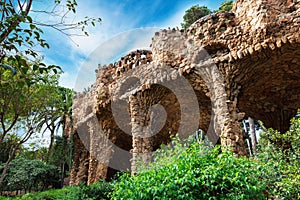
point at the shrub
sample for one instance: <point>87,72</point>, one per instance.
<point>195,173</point>
<point>66,193</point>
<point>96,191</point>
<point>282,153</point>
<point>30,175</point>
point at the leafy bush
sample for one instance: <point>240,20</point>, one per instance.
<point>96,191</point>
<point>66,193</point>
<point>282,153</point>
<point>30,175</point>
<point>194,172</point>
<point>193,14</point>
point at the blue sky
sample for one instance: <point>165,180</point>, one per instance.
<point>126,25</point>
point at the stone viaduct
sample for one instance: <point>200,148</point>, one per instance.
<point>244,63</point>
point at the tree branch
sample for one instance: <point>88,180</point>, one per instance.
<point>15,23</point>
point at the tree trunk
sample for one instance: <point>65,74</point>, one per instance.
<point>16,22</point>
<point>10,158</point>
<point>253,135</point>
<point>62,174</point>
<point>50,145</point>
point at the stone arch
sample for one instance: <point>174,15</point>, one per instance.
<point>255,49</point>
<point>271,87</point>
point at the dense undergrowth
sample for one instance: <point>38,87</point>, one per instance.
<point>191,170</point>
<point>98,190</point>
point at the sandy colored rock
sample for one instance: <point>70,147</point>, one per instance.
<point>244,63</point>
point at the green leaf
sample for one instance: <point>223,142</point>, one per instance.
<point>29,19</point>
<point>35,67</point>
<point>32,26</point>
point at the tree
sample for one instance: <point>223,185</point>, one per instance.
<point>5,148</point>
<point>24,79</point>
<point>282,152</point>
<point>196,12</point>
<point>61,156</point>
<point>193,14</point>
<point>59,114</point>
<point>22,29</point>
<point>225,6</point>
<point>24,97</point>
<point>34,154</point>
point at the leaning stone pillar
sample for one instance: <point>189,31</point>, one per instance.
<point>80,162</point>
<point>141,133</point>
<point>226,120</point>
<point>101,151</point>
<point>231,134</point>
<point>225,117</point>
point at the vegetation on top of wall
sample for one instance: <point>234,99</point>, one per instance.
<point>196,12</point>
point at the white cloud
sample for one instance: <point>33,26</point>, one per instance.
<point>67,80</point>
<point>112,23</point>
<point>111,51</point>
<point>108,41</point>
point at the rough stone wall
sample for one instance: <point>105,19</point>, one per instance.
<point>239,64</point>
<point>82,107</point>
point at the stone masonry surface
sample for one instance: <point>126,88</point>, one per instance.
<point>253,70</point>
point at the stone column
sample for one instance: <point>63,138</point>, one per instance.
<point>79,171</point>
<point>231,134</point>
<point>141,133</point>
<point>101,151</point>
<point>226,119</point>
<point>223,95</point>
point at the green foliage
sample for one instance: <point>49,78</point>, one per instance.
<point>194,172</point>
<point>5,149</point>
<point>60,151</point>
<point>59,115</point>
<point>225,6</point>
<point>66,193</point>
<point>193,14</point>
<point>96,191</point>
<point>282,152</point>
<point>190,170</point>
<point>196,12</point>
<point>21,31</point>
<point>34,154</point>
<point>21,91</point>
<point>29,175</point>
<point>24,97</point>
<point>29,96</point>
